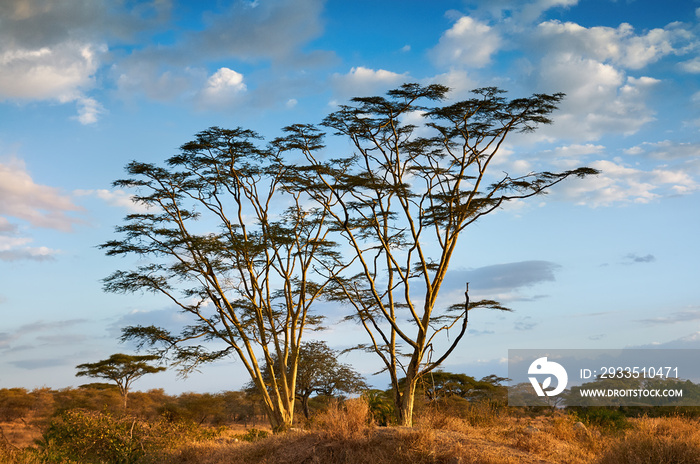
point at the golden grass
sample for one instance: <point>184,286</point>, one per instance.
<point>19,433</point>
<point>345,433</point>
<point>657,441</point>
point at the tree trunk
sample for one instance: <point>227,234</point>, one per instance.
<point>305,405</point>
<point>280,418</point>
<point>405,405</point>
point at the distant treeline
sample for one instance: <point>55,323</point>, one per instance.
<point>214,409</point>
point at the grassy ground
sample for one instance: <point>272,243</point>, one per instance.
<point>345,434</point>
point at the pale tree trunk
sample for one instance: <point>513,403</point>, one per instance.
<point>280,418</point>
<point>405,407</point>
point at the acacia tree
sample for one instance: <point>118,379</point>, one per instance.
<point>321,373</point>
<point>122,369</point>
<point>228,241</point>
<point>401,201</point>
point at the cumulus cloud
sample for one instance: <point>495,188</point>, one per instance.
<point>222,88</point>
<point>591,65</point>
<point>619,183</point>
<point>600,98</point>
<point>459,82</point>
<point>61,72</point>
<point>691,66</point>
<point>52,51</point>
<point>46,54</point>
<point>13,249</point>
<point>620,46</point>
<point>361,81</point>
<point>468,42</point>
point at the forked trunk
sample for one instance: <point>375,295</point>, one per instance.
<point>280,418</point>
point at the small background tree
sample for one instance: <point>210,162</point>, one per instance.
<point>319,372</point>
<point>122,369</point>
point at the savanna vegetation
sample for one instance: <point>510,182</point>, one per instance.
<point>458,419</point>
<point>245,240</point>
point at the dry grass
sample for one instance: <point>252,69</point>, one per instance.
<point>344,433</point>
<point>350,420</point>
<point>657,441</point>
<point>19,433</point>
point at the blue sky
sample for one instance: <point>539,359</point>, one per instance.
<point>609,262</point>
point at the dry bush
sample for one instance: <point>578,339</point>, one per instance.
<point>351,419</point>
<point>391,445</point>
<point>657,441</point>
<point>483,413</point>
<point>435,418</point>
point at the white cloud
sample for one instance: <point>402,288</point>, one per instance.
<point>13,250</point>
<point>618,183</point>
<point>467,43</point>
<point>222,88</point>
<point>39,205</point>
<point>599,99</point>
<point>691,66</point>
<point>620,46</point>
<point>223,82</point>
<point>118,198</point>
<point>88,110</point>
<point>458,81</point>
<point>574,151</point>
<point>361,81</point>
<point>666,150</point>
<point>61,72</point>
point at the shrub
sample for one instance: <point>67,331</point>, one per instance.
<point>348,420</point>
<point>653,441</point>
<point>253,435</point>
<point>88,437</point>
<point>610,420</point>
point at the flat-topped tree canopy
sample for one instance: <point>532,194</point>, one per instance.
<point>419,174</point>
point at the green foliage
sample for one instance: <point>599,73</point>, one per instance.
<point>222,247</point>
<point>319,372</point>
<point>401,200</point>
<point>122,369</point>
<point>439,385</point>
<point>253,434</point>
<point>381,406</point>
<point>609,419</point>
<point>88,437</point>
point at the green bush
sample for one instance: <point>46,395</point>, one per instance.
<point>87,437</point>
<point>610,420</point>
<point>253,435</point>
